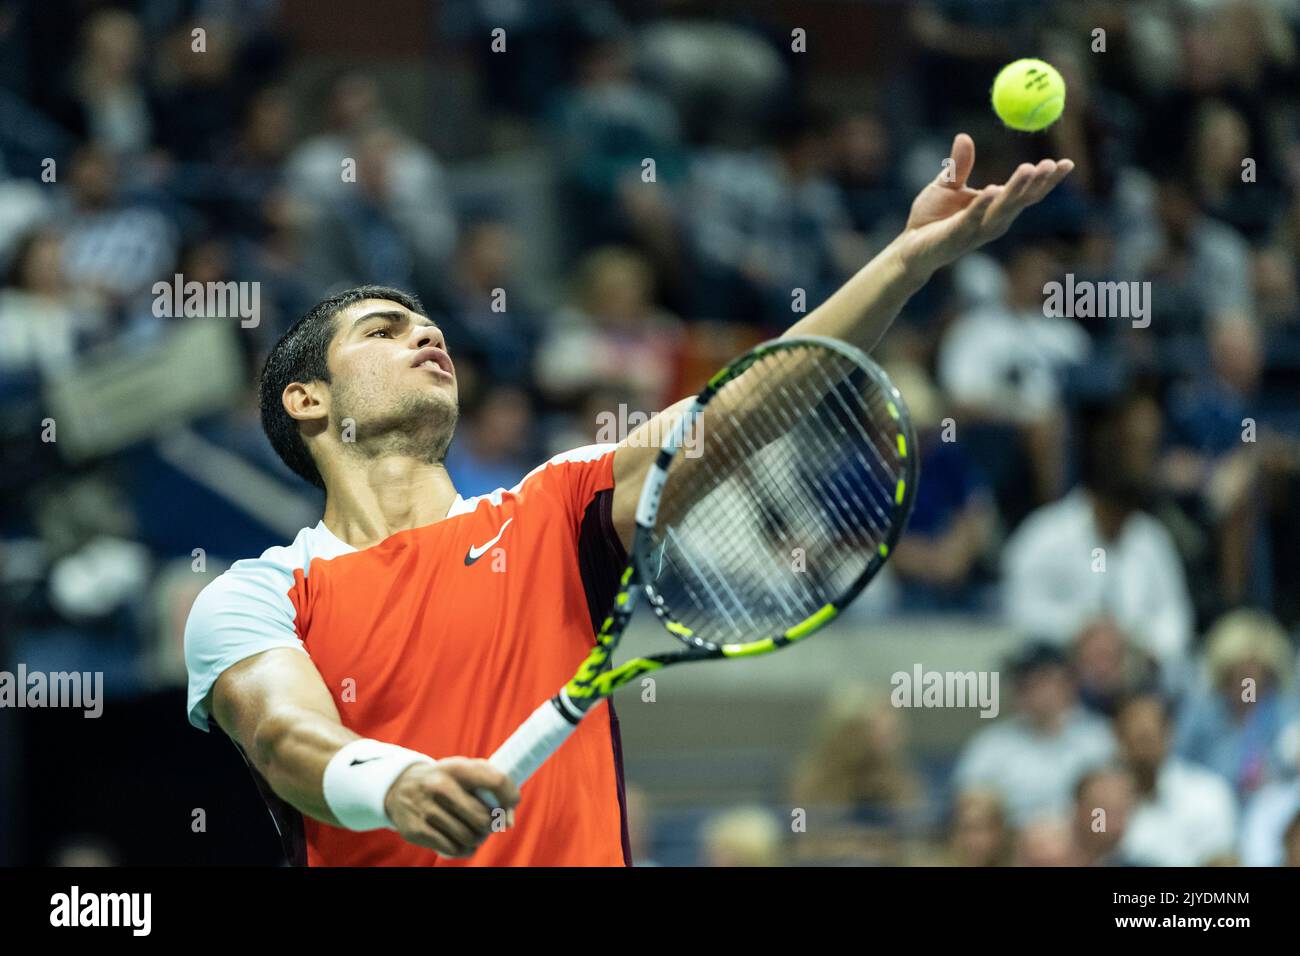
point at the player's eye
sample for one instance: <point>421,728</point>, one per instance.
<point>378,332</point>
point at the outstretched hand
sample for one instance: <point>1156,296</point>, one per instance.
<point>949,218</point>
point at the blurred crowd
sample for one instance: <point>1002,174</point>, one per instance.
<point>1118,489</point>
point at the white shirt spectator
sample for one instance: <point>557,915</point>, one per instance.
<point>1050,587</point>
<point>1014,360</point>
<point>1034,772</point>
<point>1189,820</point>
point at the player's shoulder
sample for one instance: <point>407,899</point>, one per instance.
<point>271,575</point>
<point>248,609</point>
<point>584,454</point>
<point>568,462</point>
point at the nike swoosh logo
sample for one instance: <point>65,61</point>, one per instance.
<point>476,553</point>
<point>357,760</point>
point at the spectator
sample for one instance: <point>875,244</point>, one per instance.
<point>859,761</point>
<point>1197,266</point>
<point>368,231</point>
<point>1035,757</point>
<point>1045,841</point>
<point>867,170</point>
<point>1233,723</point>
<point>607,126</point>
<point>201,91</point>
<point>105,99</point>
<point>1103,808</point>
<point>112,248</point>
<point>406,182</point>
<point>252,167</point>
<point>979,835</point>
<point>1220,144</point>
<point>1185,815</point>
<point>1210,462</point>
<point>614,333</point>
<point>1007,360</point>
<point>1004,362</point>
<point>952,523</point>
<point>763,224</point>
<point>1108,667</point>
<point>1097,551</point>
<point>745,836</point>
<point>42,321</point>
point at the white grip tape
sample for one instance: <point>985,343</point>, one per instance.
<point>528,747</point>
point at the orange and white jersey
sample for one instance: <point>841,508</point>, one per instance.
<point>444,639</point>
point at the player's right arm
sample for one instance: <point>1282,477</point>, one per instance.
<point>279,711</point>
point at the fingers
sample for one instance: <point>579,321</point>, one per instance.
<point>462,838</point>
<point>1013,192</point>
<point>1027,185</point>
<point>963,161</point>
<point>430,835</point>
<point>435,805</point>
<point>479,774</point>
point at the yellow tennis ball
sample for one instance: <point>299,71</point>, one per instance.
<point>1028,95</point>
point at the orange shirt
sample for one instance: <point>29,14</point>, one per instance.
<point>444,639</point>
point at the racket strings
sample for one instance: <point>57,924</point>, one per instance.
<point>691,564</point>
<point>800,461</point>
<point>862,509</point>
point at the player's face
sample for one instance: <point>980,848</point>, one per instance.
<point>392,377</point>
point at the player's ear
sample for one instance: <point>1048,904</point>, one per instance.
<point>306,401</point>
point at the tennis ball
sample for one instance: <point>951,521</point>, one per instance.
<point>1028,95</point>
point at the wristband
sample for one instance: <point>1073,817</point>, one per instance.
<point>357,779</point>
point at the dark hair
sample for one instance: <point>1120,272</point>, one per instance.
<point>301,355</point>
<point>1142,692</point>
<point>1037,654</point>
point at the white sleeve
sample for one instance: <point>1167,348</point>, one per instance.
<point>243,612</point>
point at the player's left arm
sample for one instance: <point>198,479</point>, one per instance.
<point>948,219</point>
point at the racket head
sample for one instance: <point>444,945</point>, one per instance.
<point>776,498</point>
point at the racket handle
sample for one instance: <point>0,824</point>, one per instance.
<point>528,747</point>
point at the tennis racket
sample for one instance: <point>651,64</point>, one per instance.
<point>773,501</point>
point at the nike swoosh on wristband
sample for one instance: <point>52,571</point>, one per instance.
<point>476,553</point>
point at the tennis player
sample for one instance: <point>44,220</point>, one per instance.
<point>365,669</point>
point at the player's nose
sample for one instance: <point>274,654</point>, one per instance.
<point>428,336</point>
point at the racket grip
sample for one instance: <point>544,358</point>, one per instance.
<point>528,747</point>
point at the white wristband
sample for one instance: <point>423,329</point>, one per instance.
<point>357,779</point>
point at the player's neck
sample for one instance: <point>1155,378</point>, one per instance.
<point>367,501</point>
